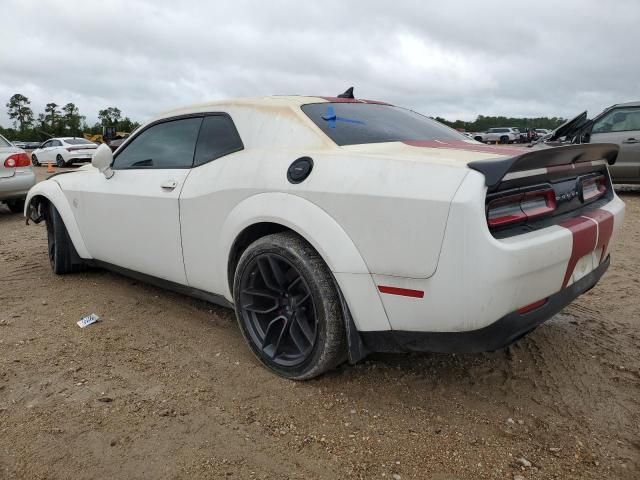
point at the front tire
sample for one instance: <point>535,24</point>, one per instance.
<point>16,206</point>
<point>63,256</point>
<point>504,139</point>
<point>288,307</point>
<point>34,160</point>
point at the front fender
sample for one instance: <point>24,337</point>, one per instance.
<point>51,190</point>
<point>325,235</point>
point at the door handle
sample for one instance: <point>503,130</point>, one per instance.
<point>169,184</point>
<point>631,140</point>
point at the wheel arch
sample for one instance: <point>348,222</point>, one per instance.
<point>49,191</point>
<point>267,213</point>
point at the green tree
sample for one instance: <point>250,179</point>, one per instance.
<point>20,112</point>
<point>110,116</point>
<point>72,119</point>
<point>52,118</point>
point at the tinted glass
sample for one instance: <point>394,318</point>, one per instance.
<point>165,145</point>
<point>78,141</point>
<point>356,123</point>
<point>56,143</point>
<point>4,142</point>
<point>218,137</point>
<point>619,120</point>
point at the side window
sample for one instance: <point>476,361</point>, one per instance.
<point>619,120</point>
<point>164,145</point>
<point>218,137</point>
<point>46,144</point>
<point>56,143</point>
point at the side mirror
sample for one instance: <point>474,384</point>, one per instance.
<point>102,159</point>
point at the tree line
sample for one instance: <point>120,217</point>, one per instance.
<point>57,120</point>
<point>483,123</point>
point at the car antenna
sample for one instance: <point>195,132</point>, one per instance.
<point>347,94</point>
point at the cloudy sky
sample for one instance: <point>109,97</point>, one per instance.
<point>453,59</point>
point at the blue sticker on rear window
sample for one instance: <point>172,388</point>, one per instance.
<point>331,118</point>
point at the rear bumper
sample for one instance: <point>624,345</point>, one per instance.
<point>17,186</point>
<point>497,335</point>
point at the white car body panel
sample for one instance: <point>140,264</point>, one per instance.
<point>392,214</point>
<point>50,189</point>
<point>130,220</point>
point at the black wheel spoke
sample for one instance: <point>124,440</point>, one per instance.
<point>302,323</point>
<point>258,309</point>
<point>278,273</point>
<point>303,298</point>
<point>264,266</point>
<point>293,283</point>
<point>256,292</point>
<point>300,340</point>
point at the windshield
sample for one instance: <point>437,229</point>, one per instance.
<point>78,141</point>
<point>358,123</point>
<point>4,142</point>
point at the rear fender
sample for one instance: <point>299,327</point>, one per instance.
<point>328,238</point>
<point>51,191</point>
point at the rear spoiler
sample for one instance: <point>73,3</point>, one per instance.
<point>495,170</point>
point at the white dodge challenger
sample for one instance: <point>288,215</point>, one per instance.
<point>337,227</point>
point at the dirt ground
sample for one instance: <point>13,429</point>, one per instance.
<point>164,387</point>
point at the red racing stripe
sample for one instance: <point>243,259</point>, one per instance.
<point>464,145</point>
<point>353,100</point>
<point>605,229</point>
<point>587,237</point>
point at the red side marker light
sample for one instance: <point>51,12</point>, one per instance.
<point>404,292</point>
<point>532,306</point>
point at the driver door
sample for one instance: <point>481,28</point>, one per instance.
<point>622,127</point>
<point>132,219</point>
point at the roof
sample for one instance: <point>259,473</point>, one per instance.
<point>282,101</point>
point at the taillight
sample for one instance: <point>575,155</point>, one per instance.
<point>17,160</point>
<point>592,187</point>
<point>520,207</point>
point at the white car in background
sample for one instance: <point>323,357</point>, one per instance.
<point>502,135</point>
<point>63,151</point>
<point>16,175</point>
<point>337,227</point>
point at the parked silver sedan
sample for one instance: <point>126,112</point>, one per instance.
<point>16,175</point>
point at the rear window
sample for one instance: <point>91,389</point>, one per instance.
<point>358,123</point>
<point>4,142</point>
<point>78,141</point>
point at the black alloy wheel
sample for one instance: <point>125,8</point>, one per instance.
<point>277,308</point>
<point>288,307</point>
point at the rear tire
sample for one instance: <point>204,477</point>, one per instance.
<point>63,256</point>
<point>34,160</point>
<point>16,206</point>
<point>60,161</point>
<point>504,139</point>
<point>288,307</point>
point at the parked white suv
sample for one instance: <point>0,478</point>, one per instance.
<point>502,135</point>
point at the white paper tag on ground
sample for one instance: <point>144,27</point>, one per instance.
<point>88,320</point>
